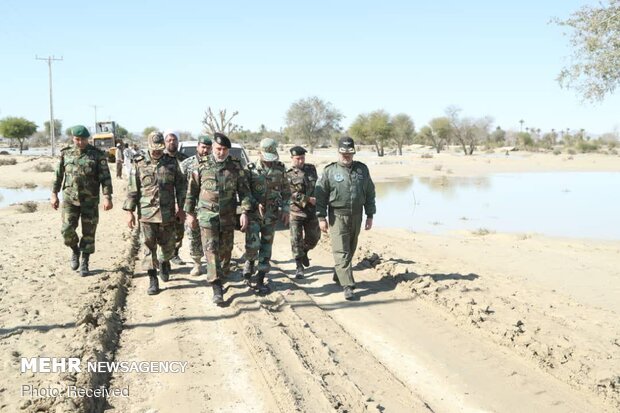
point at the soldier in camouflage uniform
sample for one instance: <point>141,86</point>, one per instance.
<point>157,189</point>
<point>305,232</point>
<point>203,149</point>
<point>80,172</point>
<point>270,189</point>
<point>343,193</point>
<point>172,145</point>
<point>212,196</point>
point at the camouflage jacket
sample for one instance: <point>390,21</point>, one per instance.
<point>189,165</point>
<point>270,187</point>
<point>180,157</point>
<point>154,186</point>
<point>302,182</point>
<point>346,190</point>
<point>215,189</point>
<point>80,173</point>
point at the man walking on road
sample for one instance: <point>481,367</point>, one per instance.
<point>305,232</point>
<point>344,192</point>
<point>156,188</point>
<point>81,171</point>
<point>212,197</point>
<point>270,188</point>
<point>172,145</point>
<point>188,166</point>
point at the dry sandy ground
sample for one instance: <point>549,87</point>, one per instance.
<point>458,322</point>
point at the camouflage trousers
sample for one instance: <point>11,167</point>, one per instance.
<point>195,243</point>
<point>305,234</point>
<point>217,243</point>
<point>179,232</point>
<point>258,242</point>
<point>344,230</point>
<point>88,211</point>
<point>154,234</point>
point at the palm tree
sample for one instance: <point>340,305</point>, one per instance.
<point>521,122</point>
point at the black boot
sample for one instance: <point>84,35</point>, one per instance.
<point>164,270</point>
<point>261,287</point>
<point>84,267</point>
<point>153,283</point>
<point>248,270</point>
<point>305,260</point>
<point>348,293</point>
<point>299,271</point>
<point>75,258</point>
<point>176,260</point>
<point>218,292</point>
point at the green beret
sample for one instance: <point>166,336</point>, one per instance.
<point>80,131</point>
<point>206,139</point>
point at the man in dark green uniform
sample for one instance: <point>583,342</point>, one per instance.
<point>270,189</point>
<point>80,172</point>
<point>171,140</point>
<point>305,232</point>
<point>212,195</point>
<point>188,166</point>
<point>157,189</point>
<point>344,192</point>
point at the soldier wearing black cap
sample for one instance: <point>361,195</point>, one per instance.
<point>305,232</point>
<point>344,192</point>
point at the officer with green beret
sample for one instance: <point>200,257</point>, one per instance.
<point>344,192</point>
<point>270,189</point>
<point>188,166</point>
<point>214,188</point>
<point>82,169</point>
<point>305,232</point>
<point>171,140</point>
<point>157,189</point>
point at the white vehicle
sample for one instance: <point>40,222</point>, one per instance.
<point>236,151</point>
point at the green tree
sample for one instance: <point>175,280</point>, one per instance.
<point>440,129</point>
<point>374,128</point>
<point>404,131</point>
<point>595,64</point>
<point>498,137</point>
<point>312,121</point>
<point>122,134</point>
<point>57,128</point>
<point>19,129</point>
<point>148,130</point>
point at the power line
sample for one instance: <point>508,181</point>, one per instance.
<point>49,60</point>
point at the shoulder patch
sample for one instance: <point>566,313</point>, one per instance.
<point>329,165</point>
<point>66,148</point>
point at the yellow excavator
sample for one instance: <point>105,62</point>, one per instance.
<point>105,138</point>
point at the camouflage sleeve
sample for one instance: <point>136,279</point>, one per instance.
<point>105,179</point>
<point>245,195</point>
<point>59,174</point>
<point>133,189</point>
<point>286,193</point>
<point>180,186</point>
<point>193,191</point>
<point>369,205</point>
<point>321,192</point>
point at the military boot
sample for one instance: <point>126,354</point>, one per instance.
<point>248,270</point>
<point>84,267</point>
<point>218,292</point>
<point>164,270</point>
<point>196,268</point>
<point>153,283</point>
<point>176,260</point>
<point>299,271</point>
<point>261,287</point>
<point>348,293</point>
<point>305,260</point>
<point>75,258</point>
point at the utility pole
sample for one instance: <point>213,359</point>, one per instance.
<point>95,107</point>
<point>49,60</point>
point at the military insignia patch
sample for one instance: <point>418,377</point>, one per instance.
<point>147,180</point>
<point>338,177</point>
<point>103,162</point>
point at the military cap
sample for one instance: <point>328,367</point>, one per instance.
<point>297,151</point>
<point>156,141</point>
<point>269,149</point>
<point>206,139</point>
<point>346,145</point>
<point>222,139</point>
<point>80,131</point>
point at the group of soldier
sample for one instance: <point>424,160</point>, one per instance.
<point>211,194</point>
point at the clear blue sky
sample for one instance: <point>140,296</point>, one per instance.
<point>163,63</point>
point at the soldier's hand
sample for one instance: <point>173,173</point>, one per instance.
<point>312,200</point>
<point>131,220</point>
<point>368,224</point>
<point>323,225</point>
<point>191,221</point>
<point>261,210</point>
<point>54,200</point>
<point>285,218</point>
<point>244,221</point>
<point>180,215</point>
<point>107,204</point>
